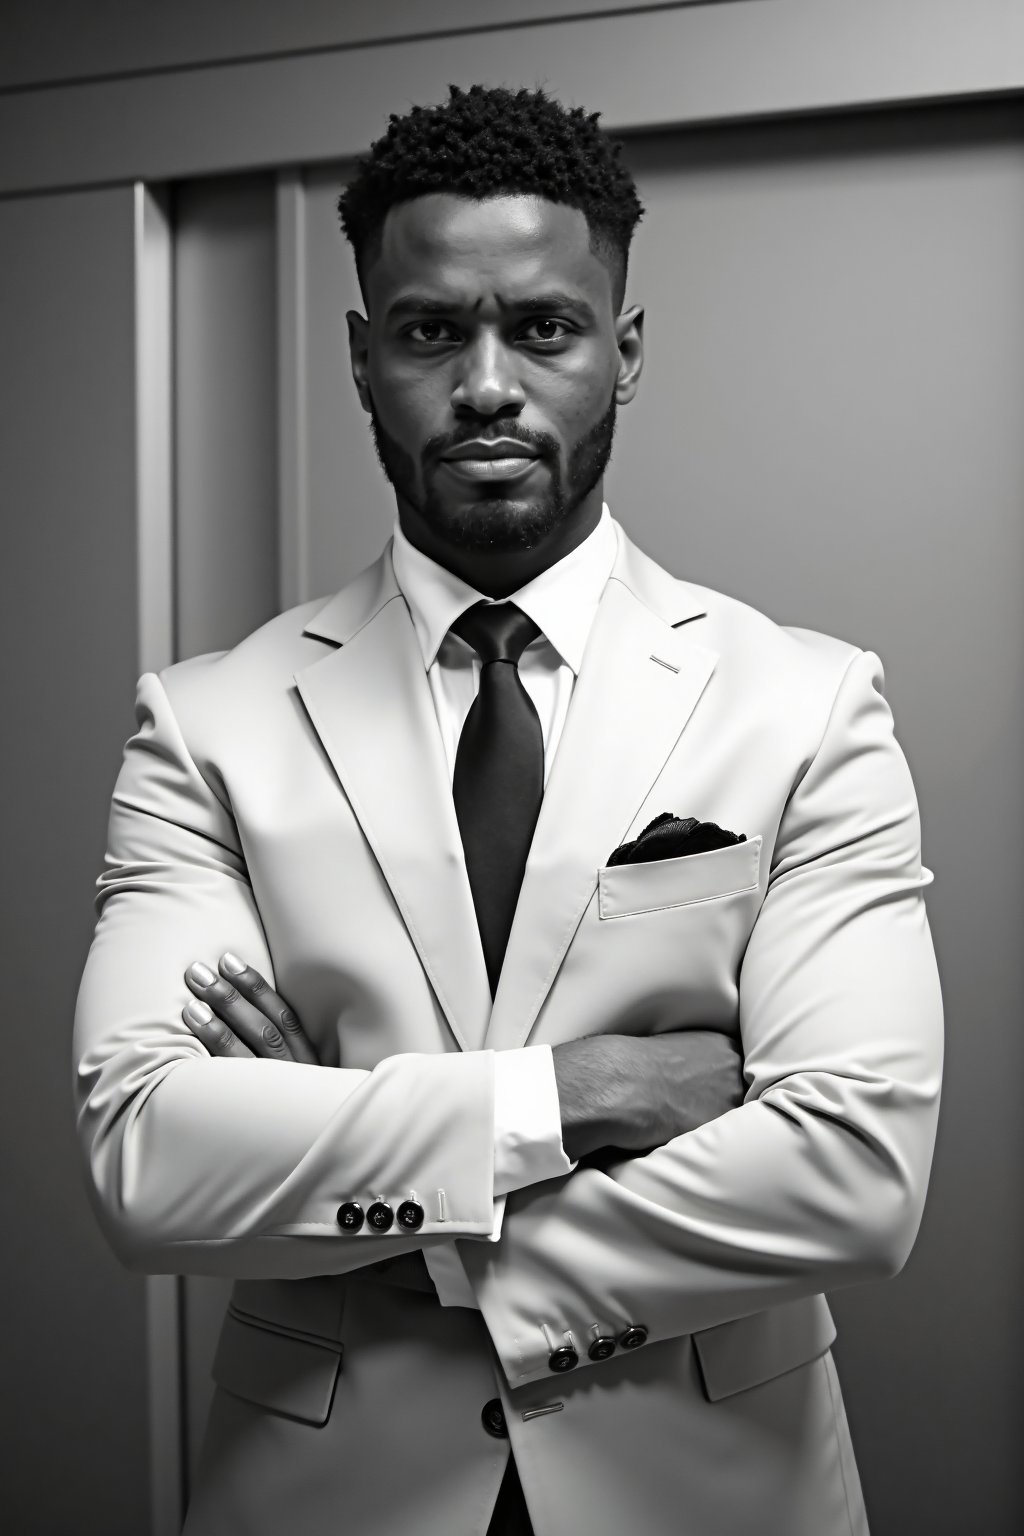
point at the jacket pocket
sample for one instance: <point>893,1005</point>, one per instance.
<point>625,890</point>
<point>290,1373</point>
<point>752,1350</point>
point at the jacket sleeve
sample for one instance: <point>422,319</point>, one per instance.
<point>818,1179</point>
<point>237,1167</point>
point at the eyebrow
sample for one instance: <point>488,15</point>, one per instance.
<point>540,303</point>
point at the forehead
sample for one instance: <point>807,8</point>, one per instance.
<point>471,247</point>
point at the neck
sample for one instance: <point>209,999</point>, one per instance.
<point>499,572</point>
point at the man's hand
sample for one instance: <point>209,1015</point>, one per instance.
<point>238,1014</point>
<point>636,1093</point>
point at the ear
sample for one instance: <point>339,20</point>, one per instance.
<point>629,334</point>
<point>359,355</point>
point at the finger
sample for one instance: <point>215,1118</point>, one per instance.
<point>252,1027</point>
<point>256,990</point>
<point>212,1032</point>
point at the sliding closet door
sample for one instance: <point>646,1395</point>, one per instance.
<point>828,427</point>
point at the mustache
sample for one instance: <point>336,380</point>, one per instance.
<point>442,443</point>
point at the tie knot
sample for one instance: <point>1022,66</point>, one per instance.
<point>496,631</point>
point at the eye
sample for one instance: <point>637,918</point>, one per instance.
<point>545,330</point>
<point>431,333</point>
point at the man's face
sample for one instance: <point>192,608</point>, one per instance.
<point>491,365</point>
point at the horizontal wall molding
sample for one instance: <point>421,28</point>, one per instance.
<point>660,68</point>
<point>44,44</point>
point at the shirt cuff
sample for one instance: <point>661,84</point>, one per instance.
<point>527,1120</point>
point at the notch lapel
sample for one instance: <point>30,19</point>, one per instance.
<point>638,685</point>
<point>371,707</point>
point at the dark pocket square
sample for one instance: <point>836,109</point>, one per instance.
<point>668,837</point>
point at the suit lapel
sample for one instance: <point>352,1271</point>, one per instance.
<point>638,685</point>
<point>370,704</point>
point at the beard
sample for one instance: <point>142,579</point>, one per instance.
<point>496,521</point>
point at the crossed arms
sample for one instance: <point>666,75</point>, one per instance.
<point>236,1166</point>
<point>615,1092</point>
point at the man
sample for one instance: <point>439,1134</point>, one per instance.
<point>512,852</point>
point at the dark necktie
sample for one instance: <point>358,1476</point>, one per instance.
<point>499,772</point>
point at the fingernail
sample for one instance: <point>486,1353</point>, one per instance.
<point>202,974</point>
<point>198,1012</point>
<point>232,963</point>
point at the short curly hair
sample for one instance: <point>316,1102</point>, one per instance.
<point>487,141</point>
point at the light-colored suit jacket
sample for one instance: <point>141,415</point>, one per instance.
<point>289,800</point>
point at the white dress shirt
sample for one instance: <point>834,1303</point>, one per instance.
<point>562,601</point>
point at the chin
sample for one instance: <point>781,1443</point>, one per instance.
<point>500,524</point>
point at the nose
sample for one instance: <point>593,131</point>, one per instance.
<point>488,382</point>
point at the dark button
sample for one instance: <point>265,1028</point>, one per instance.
<point>350,1216</point>
<point>633,1337</point>
<point>380,1216</point>
<point>563,1359</point>
<point>602,1348</point>
<point>493,1417</point>
<point>410,1215</point>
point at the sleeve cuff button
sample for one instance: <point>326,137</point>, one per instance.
<point>601,1348</point>
<point>410,1215</point>
<point>350,1216</point>
<point>380,1216</point>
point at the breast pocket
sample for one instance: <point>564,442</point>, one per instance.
<point>627,890</point>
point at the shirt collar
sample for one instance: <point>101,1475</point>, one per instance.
<point>562,601</point>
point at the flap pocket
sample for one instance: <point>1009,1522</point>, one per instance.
<point>289,1374</point>
<point>755,1349</point>
<point>627,889</point>
<point>312,1306</point>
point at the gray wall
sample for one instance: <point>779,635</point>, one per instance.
<point>225,410</point>
<point>74,1389</point>
<point>837,353</point>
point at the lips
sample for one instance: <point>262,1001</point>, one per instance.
<point>500,458</point>
<point>495,448</point>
